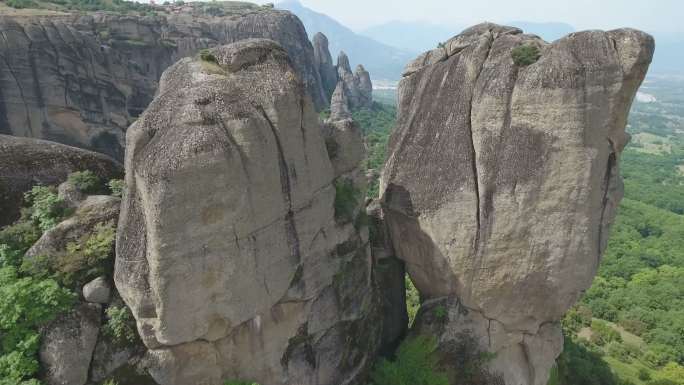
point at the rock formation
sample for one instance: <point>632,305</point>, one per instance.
<point>502,181</point>
<point>339,104</point>
<point>82,79</point>
<point>357,85</point>
<point>231,252</point>
<point>27,162</point>
<point>324,63</point>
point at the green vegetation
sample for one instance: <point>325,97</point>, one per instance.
<point>116,187</point>
<point>47,209</point>
<point>416,363</point>
<point>85,181</point>
<point>629,326</point>
<point>120,326</point>
<point>412,299</point>
<point>525,55</point>
<point>120,6</point>
<point>346,199</point>
<point>377,124</point>
<point>207,56</point>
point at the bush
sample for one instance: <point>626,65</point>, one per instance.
<point>15,240</point>
<point>21,3</point>
<point>644,374</point>
<point>416,364</point>
<point>25,305</point>
<point>46,207</point>
<point>120,326</point>
<point>206,55</point>
<point>88,258</point>
<point>85,181</point>
<point>525,55</point>
<point>346,200</point>
<point>602,333</point>
<point>116,187</point>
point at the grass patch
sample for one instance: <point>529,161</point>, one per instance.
<point>525,55</point>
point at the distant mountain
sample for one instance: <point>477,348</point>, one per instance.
<point>381,60</point>
<point>412,36</point>
<point>548,31</point>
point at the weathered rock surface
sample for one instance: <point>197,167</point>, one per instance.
<point>324,63</point>
<point>502,181</point>
<point>26,162</point>
<point>82,79</point>
<point>228,252</point>
<point>339,104</point>
<point>97,290</point>
<point>67,345</point>
<point>357,85</point>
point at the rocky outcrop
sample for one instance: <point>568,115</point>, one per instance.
<point>324,63</point>
<point>82,79</point>
<point>229,250</point>
<point>502,181</point>
<point>67,345</point>
<point>357,85</point>
<point>94,210</point>
<point>339,104</point>
<point>26,162</point>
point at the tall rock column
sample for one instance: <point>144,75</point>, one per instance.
<point>357,85</point>
<point>323,61</point>
<point>502,181</point>
<point>231,252</point>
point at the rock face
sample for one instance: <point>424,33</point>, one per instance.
<point>26,162</point>
<point>357,85</point>
<point>67,345</point>
<point>339,104</point>
<point>324,63</point>
<point>229,252</point>
<point>502,181</point>
<point>82,79</point>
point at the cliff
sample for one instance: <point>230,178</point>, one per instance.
<point>82,78</point>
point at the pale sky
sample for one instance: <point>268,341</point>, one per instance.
<point>656,16</point>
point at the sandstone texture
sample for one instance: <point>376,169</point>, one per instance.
<point>26,162</point>
<point>229,250</point>
<point>83,78</point>
<point>502,181</point>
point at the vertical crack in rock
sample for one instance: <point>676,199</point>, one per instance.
<point>610,166</point>
<point>19,87</point>
<point>476,180</point>
<point>290,226</point>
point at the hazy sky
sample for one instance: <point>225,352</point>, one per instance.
<point>663,16</point>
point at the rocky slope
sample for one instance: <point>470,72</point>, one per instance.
<point>82,79</point>
<point>26,162</point>
<point>237,249</point>
<point>502,181</point>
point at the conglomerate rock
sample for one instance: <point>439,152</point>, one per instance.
<point>82,78</point>
<point>324,63</point>
<point>229,250</point>
<point>502,181</point>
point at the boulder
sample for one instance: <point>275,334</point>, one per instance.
<point>228,250</point>
<point>97,290</point>
<point>502,181</point>
<point>67,345</point>
<point>26,162</point>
